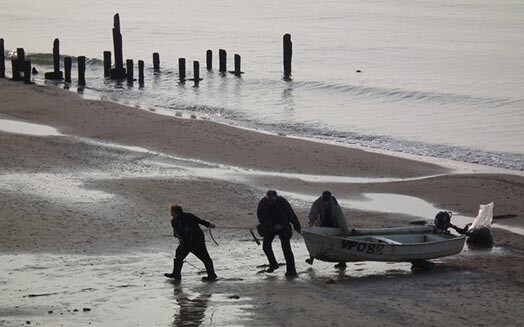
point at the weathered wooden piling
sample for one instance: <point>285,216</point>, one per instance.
<point>20,55</point>
<point>156,61</point>
<point>237,70</point>
<point>107,63</point>
<point>209,60</point>
<point>222,60</point>
<point>288,54</point>
<point>2,59</point>
<point>15,70</point>
<point>56,55</point>
<point>27,72</point>
<point>237,65</point>
<point>56,74</point>
<point>141,72</point>
<point>17,65</point>
<point>119,72</point>
<point>81,63</point>
<point>196,73</point>
<point>68,63</point>
<point>129,66</point>
<point>182,69</point>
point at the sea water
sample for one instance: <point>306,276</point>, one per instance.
<point>436,78</point>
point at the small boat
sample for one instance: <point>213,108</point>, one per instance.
<point>408,244</point>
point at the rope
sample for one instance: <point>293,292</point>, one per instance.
<point>211,234</point>
<point>233,227</point>
<point>254,237</point>
<point>192,265</point>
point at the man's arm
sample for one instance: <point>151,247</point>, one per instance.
<point>261,212</point>
<point>292,216</point>
<point>341,220</point>
<point>175,234</point>
<point>313,213</point>
<point>201,221</point>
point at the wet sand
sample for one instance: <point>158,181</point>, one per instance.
<point>85,225</point>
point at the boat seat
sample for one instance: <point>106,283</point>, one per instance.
<point>386,240</point>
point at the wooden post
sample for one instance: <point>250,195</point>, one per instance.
<point>129,66</point>
<point>27,72</point>
<point>15,70</point>
<point>56,74</point>
<point>107,63</point>
<point>68,63</point>
<point>117,43</point>
<point>182,69</point>
<point>156,61</point>
<point>237,64</point>
<point>141,72</point>
<point>196,72</point>
<point>288,54</point>
<point>222,58</point>
<point>56,55</point>
<point>119,72</point>
<point>2,59</point>
<point>209,60</point>
<point>81,70</point>
<point>237,70</point>
<point>20,55</point>
<point>17,65</point>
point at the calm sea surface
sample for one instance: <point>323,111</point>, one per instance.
<point>438,78</point>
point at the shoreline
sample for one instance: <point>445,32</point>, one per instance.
<point>448,164</point>
<point>181,136</point>
<point>452,164</point>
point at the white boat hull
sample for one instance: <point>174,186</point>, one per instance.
<point>383,244</point>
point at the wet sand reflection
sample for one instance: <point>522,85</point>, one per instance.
<point>192,311</point>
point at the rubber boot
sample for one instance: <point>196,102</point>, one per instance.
<point>171,275</point>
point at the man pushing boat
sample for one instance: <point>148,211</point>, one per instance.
<point>326,212</point>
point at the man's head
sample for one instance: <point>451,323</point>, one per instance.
<point>326,197</point>
<point>271,196</point>
<point>176,210</point>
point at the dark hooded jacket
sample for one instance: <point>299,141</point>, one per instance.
<point>279,213</point>
<point>185,227</point>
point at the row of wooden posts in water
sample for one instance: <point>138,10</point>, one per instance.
<point>21,68</point>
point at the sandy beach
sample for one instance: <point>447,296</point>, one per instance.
<point>85,224</point>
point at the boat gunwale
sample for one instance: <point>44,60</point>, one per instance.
<point>352,238</point>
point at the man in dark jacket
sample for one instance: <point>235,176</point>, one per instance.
<point>191,238</point>
<point>275,216</point>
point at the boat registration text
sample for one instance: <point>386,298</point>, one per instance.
<point>363,247</point>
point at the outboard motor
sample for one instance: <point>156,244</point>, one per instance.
<point>478,233</point>
<point>443,221</point>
